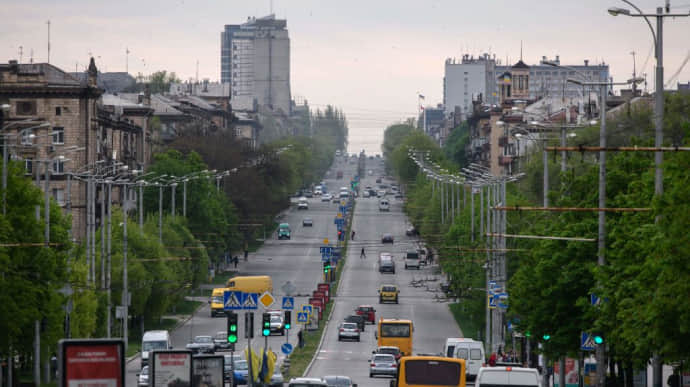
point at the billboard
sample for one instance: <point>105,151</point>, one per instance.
<point>85,363</point>
<point>171,369</point>
<point>208,371</point>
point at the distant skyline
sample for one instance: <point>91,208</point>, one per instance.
<point>370,58</point>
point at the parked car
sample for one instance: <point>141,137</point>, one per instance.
<point>339,381</point>
<point>368,312</point>
<point>202,344</point>
<point>357,319</point>
<point>378,180</point>
<point>387,238</point>
<point>307,222</point>
<point>383,364</point>
<point>348,330</point>
<point>143,377</point>
<point>229,361</point>
<point>366,194</point>
<point>398,195</point>
<point>395,351</point>
<point>220,340</point>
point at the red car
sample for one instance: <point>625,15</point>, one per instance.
<point>368,312</point>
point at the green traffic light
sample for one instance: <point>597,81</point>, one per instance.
<point>266,332</point>
<point>287,326</point>
<point>232,339</point>
<point>598,340</point>
<point>547,337</point>
<point>528,334</point>
<point>233,328</point>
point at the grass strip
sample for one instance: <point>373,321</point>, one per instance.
<point>469,326</point>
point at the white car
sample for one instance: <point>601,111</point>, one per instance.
<point>302,204</point>
<point>326,197</point>
<point>366,194</point>
<point>143,377</point>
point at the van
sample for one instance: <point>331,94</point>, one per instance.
<point>507,376</point>
<point>251,284</point>
<point>216,301</point>
<point>284,231</point>
<point>384,205</point>
<point>412,259</point>
<point>472,351</point>
<point>303,204</point>
<point>154,341</point>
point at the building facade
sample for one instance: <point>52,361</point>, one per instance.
<point>467,80</point>
<point>255,61</point>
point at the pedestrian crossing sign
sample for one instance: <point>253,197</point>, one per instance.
<point>302,317</point>
<point>308,308</point>
<point>232,300</point>
<point>250,301</point>
<point>288,303</point>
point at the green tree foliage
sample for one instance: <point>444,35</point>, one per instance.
<point>30,276</point>
<point>456,143</point>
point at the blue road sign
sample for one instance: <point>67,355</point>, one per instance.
<point>286,348</point>
<point>502,300</point>
<point>339,221</point>
<point>250,301</point>
<point>302,317</point>
<point>326,251</point>
<point>587,342</point>
<point>288,303</point>
<point>325,258</point>
<point>342,209</point>
<point>594,300</point>
<point>232,300</point>
<point>309,309</point>
<point>493,302</point>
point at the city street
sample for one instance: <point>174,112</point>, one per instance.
<point>296,260</point>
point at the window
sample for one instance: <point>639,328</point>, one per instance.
<point>395,330</point>
<point>58,111</point>
<point>476,354</point>
<point>58,135</point>
<point>59,196</point>
<point>26,108</point>
<point>462,353</point>
<point>27,137</point>
<point>29,166</point>
<point>58,167</point>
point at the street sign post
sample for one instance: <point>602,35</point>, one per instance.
<point>288,303</point>
<point>286,348</point>
<point>232,300</point>
<point>267,300</point>
<point>250,301</point>
<point>587,342</point>
<point>302,317</point>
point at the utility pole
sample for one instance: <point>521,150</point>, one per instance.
<point>172,204</point>
<point>48,23</point>
<point>141,206</point>
<point>472,211</point>
<point>125,290</point>
<point>545,160</point>
<point>601,234</point>
<point>109,279</point>
<point>160,213</point>
<point>103,258</point>
<point>184,198</point>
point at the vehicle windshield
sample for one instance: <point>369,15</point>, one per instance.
<point>349,326</point>
<point>217,299</point>
<point>203,339</point>
<point>338,381</point>
<point>432,373</point>
<point>389,289</point>
<point>154,345</point>
<point>241,365</point>
<point>390,351</point>
<point>395,330</point>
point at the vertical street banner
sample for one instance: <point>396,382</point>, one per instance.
<point>85,363</point>
<point>207,371</point>
<point>171,369</point>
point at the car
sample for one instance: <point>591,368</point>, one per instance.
<point>398,195</point>
<point>308,194</point>
<point>383,364</point>
<point>220,339</point>
<point>240,372</point>
<point>202,344</point>
<point>339,381</point>
<point>229,361</point>
<point>335,199</point>
<point>368,312</point>
<point>411,231</point>
<point>347,330</point>
<point>277,323</point>
<point>304,382</point>
<point>378,180</point>
<point>318,192</point>
<point>303,204</point>
<point>507,376</point>
<point>284,231</point>
<point>372,193</point>
<point>277,378</point>
<point>388,293</point>
<point>395,351</point>
<point>386,265</point>
<point>387,238</point>
<point>366,194</point>
<point>307,222</point>
<point>357,319</point>
<point>326,197</point>
<point>143,377</point>
<point>380,193</point>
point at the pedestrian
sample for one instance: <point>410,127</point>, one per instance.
<point>236,260</point>
<point>673,380</point>
<point>362,254</point>
<point>353,235</point>
<point>492,360</point>
<point>246,254</point>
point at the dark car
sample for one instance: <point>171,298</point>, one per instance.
<point>386,266</point>
<point>378,180</point>
<point>387,238</point>
<point>368,312</point>
<point>357,319</point>
<point>411,231</point>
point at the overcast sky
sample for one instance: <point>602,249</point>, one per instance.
<point>370,57</point>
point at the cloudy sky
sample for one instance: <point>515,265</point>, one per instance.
<point>370,57</point>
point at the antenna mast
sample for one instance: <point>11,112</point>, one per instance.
<point>48,22</point>
<point>127,60</point>
<point>271,6</point>
<point>21,54</point>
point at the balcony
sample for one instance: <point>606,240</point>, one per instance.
<point>505,160</point>
<point>503,141</point>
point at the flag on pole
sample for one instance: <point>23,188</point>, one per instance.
<point>421,97</point>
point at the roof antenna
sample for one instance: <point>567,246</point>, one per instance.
<point>271,6</point>
<point>520,49</point>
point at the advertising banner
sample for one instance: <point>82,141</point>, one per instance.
<point>207,371</point>
<point>171,369</point>
<point>85,363</point>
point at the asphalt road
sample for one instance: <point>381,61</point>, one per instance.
<point>297,260</point>
<point>433,322</point>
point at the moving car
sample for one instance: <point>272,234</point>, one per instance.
<point>326,197</point>
<point>395,351</point>
<point>202,344</point>
<point>383,364</point>
<point>284,231</point>
<point>381,193</point>
<point>216,301</point>
<point>398,195</point>
<point>384,205</point>
<point>368,312</point>
<point>308,194</point>
<point>220,341</point>
<point>276,378</point>
<point>348,330</point>
<point>507,376</point>
<point>412,259</point>
<point>388,293</point>
<point>240,373</point>
<point>143,377</point>
<point>277,323</point>
<point>302,204</point>
<point>472,351</point>
<point>387,238</point>
<point>339,381</point>
<point>152,341</point>
<point>318,191</point>
<point>307,222</point>
<point>357,319</point>
<point>307,382</point>
<point>366,194</point>
<point>411,231</point>
<point>386,265</point>
<point>229,361</point>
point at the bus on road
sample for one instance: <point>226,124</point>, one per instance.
<point>430,371</point>
<point>395,333</point>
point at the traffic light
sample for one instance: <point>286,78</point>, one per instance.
<point>598,338</point>
<point>546,337</point>
<point>232,327</point>
<point>326,267</point>
<point>340,235</point>
<point>288,319</point>
<point>266,324</point>
<point>249,325</point>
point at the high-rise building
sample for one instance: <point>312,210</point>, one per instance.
<point>466,80</point>
<point>255,61</point>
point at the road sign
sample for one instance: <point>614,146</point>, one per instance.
<point>325,258</point>
<point>266,300</point>
<point>288,303</point>
<point>288,288</point>
<point>250,301</point>
<point>339,222</point>
<point>308,308</point>
<point>493,302</point>
<point>326,250</point>
<point>342,209</point>
<point>232,300</point>
<point>502,300</point>
<point>587,342</point>
<point>286,348</point>
<point>302,317</point>
<point>340,215</point>
<point>594,300</point>
<point>325,241</point>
